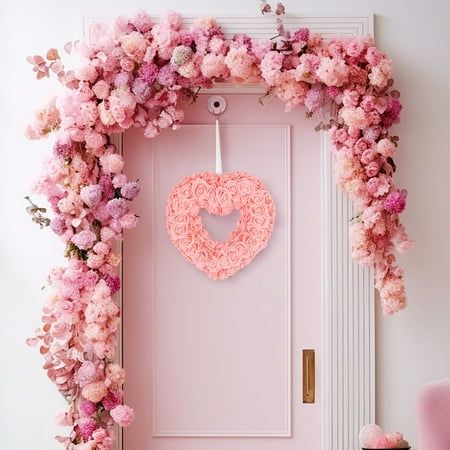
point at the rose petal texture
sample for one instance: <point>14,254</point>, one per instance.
<point>219,195</point>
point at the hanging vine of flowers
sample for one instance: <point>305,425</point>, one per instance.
<point>137,73</point>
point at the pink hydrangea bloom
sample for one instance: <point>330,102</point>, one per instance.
<point>122,415</point>
<point>84,240</point>
<point>117,207</point>
<point>91,195</point>
<point>87,373</point>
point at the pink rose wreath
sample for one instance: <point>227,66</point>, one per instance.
<point>220,194</point>
<point>137,73</point>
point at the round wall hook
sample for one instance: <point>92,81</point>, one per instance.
<point>217,105</point>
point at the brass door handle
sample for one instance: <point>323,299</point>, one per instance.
<point>309,376</point>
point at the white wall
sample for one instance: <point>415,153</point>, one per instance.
<point>412,346</point>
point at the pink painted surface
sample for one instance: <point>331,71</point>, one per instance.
<point>433,411</point>
<point>221,365</point>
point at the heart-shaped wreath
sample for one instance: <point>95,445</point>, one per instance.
<point>219,195</point>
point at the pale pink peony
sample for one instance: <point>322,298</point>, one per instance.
<point>239,62</point>
<point>373,56</point>
<point>122,415</point>
<point>333,71</point>
<point>386,148</point>
<point>354,117</point>
<point>213,66</point>
<point>134,45</point>
<point>381,73</point>
<point>271,66</point>
<point>379,186</point>
<point>112,163</point>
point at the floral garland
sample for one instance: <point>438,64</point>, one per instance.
<point>136,73</point>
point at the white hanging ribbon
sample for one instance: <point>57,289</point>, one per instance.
<point>218,150</point>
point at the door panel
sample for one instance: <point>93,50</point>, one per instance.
<point>216,364</point>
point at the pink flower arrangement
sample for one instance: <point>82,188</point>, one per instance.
<point>373,437</point>
<point>135,72</point>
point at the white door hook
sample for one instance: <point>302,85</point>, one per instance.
<point>217,105</point>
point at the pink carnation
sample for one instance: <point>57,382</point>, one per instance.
<point>113,399</point>
<point>148,72</point>
<point>122,415</point>
<point>84,240</point>
<point>86,426</point>
<point>181,55</point>
<point>395,202</point>
<point>115,375</point>
<point>87,408</point>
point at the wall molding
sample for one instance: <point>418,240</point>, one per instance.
<point>347,298</point>
<point>348,322</point>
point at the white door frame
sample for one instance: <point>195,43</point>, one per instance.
<point>347,364</point>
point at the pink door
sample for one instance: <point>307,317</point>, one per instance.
<point>215,365</point>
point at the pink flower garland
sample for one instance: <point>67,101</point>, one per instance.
<point>135,73</point>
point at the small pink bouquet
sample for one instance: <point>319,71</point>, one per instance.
<point>373,437</point>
